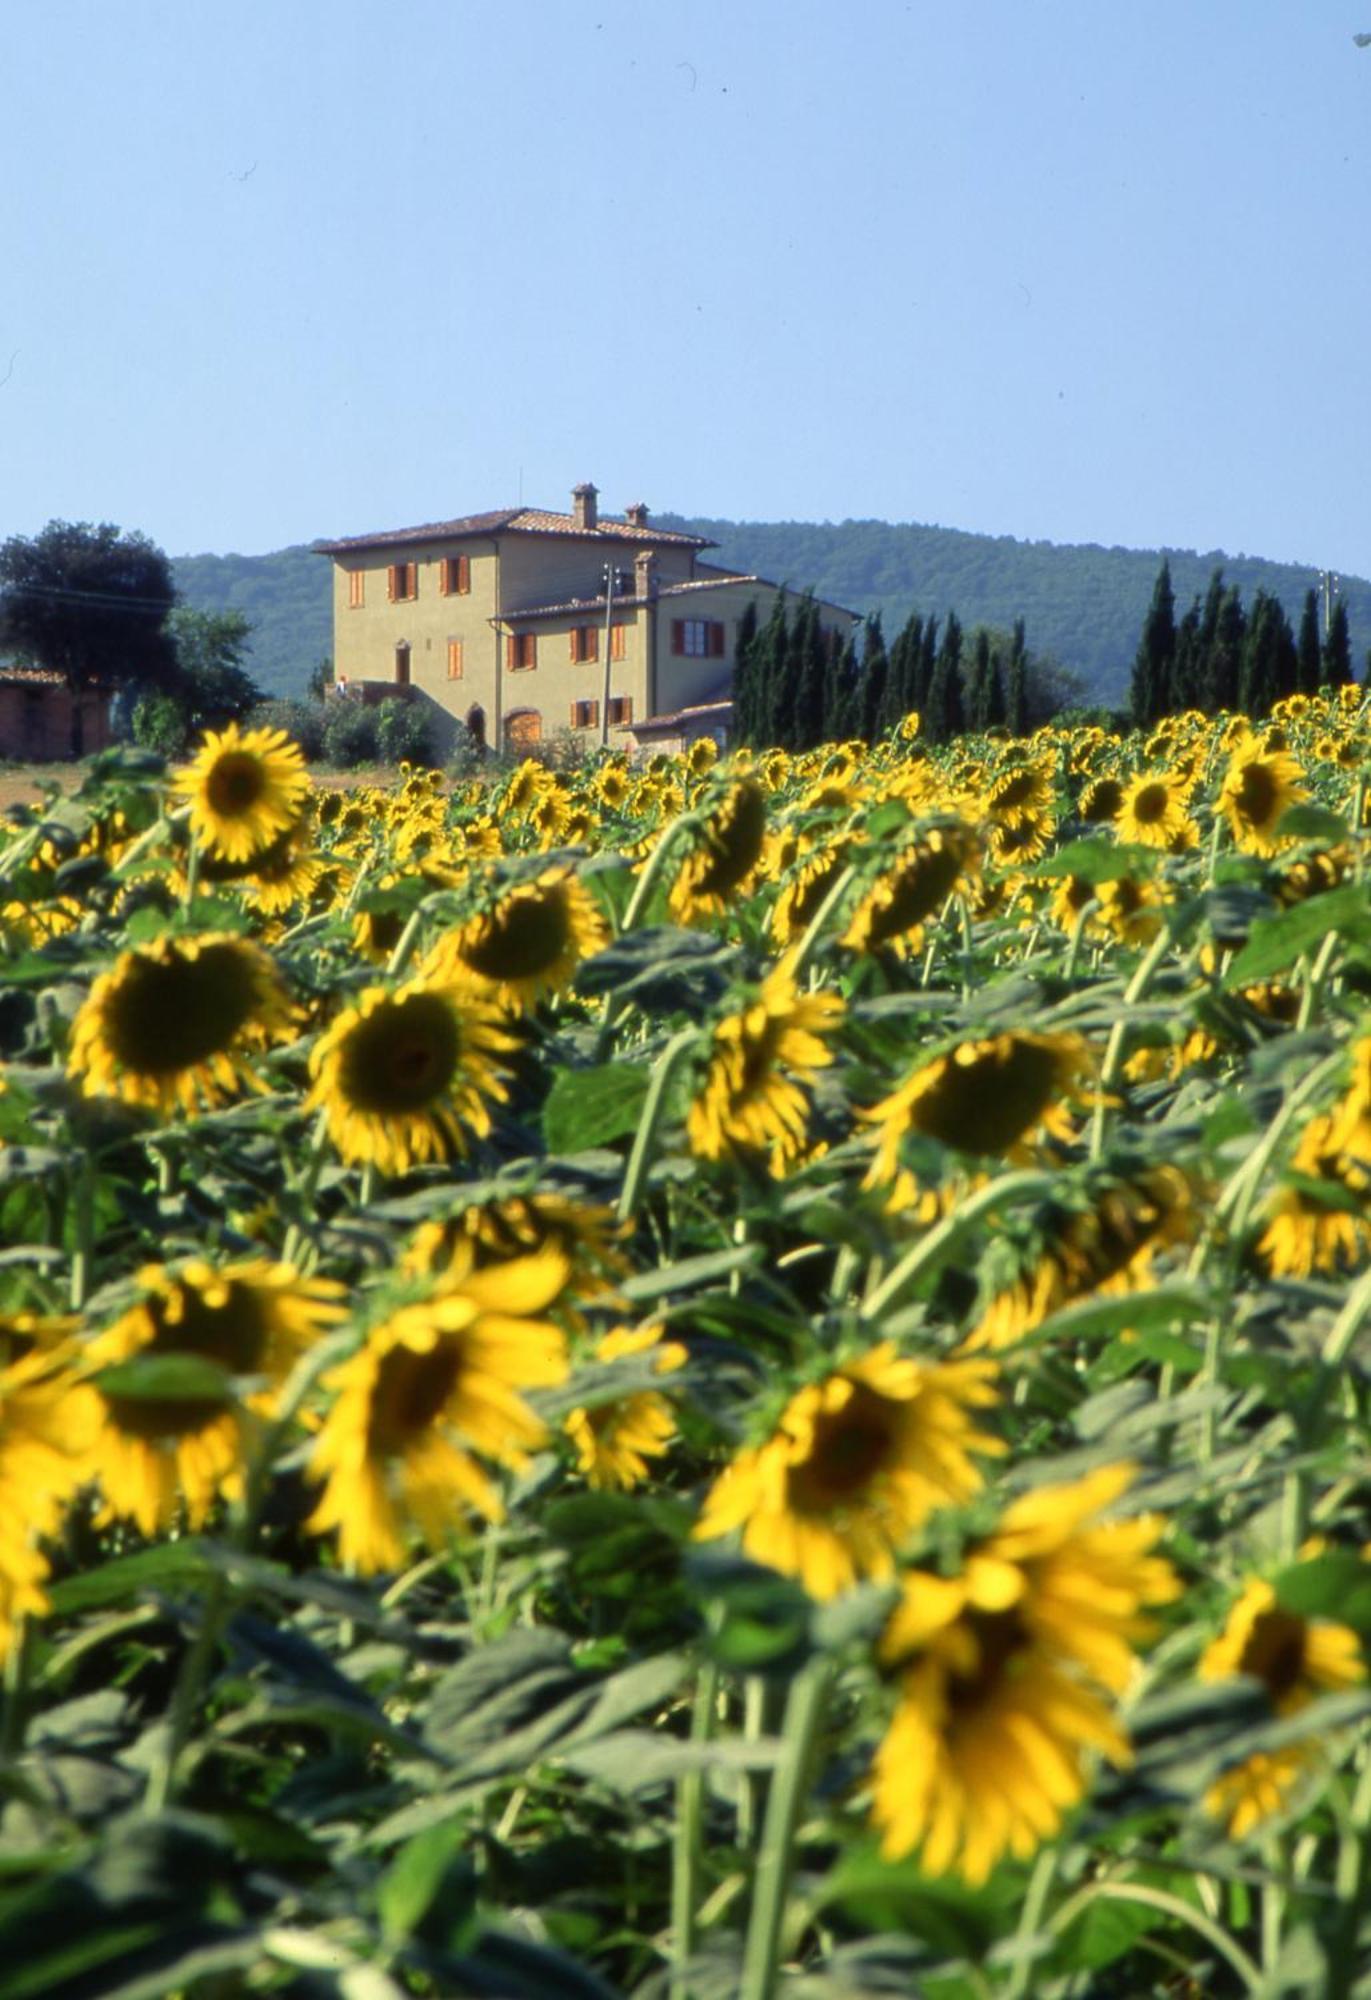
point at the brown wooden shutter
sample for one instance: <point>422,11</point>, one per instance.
<point>390,583</point>
<point>511,655</point>
<point>678,635</point>
<point>463,575</point>
<point>592,642</point>
<point>575,645</point>
<point>716,642</point>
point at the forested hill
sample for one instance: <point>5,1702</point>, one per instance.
<point>1082,603</point>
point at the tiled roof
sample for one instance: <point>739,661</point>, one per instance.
<point>15,670</point>
<point>516,521</point>
<point>681,718</point>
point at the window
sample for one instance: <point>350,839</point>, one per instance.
<point>521,651</point>
<point>454,576</point>
<point>620,708</point>
<point>616,641</point>
<point>402,582</point>
<point>585,642</point>
<point>697,638</point>
<point>585,714</point>
<point>357,589</point>
<point>454,659</point>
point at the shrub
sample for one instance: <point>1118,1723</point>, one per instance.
<point>404,732</point>
<point>160,723</point>
<point>303,721</point>
<point>350,734</point>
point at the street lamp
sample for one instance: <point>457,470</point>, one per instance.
<point>612,579</point>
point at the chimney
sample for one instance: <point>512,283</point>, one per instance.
<point>636,515</point>
<point>583,505</point>
<point>645,573</point>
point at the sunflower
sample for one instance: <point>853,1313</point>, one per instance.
<point>403,1076</point>
<point>172,1023</point>
<point>1132,910</point>
<point>243,787</point>
<point>1007,1674</point>
<point>1152,811</point>
<point>434,1384</point>
<point>502,1227</point>
<point>1257,789</point>
<point>284,874</point>
<point>1315,875</point>
<point>857,1462</point>
<point>611,786</point>
<point>982,1097</point>
<point>528,943</point>
<point>702,756</point>
<point>1295,1659</point>
<point>920,876</point>
<point>1107,1248</point>
<point>615,1440</point>
<point>1306,1233</point>
<point>1019,793</point>
<point>252,1319</point>
<point>727,851</point>
<point>46,1423</point>
<point>814,874</point>
<point>751,1101</point>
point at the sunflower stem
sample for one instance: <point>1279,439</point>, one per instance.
<point>1020,1186</point>
<point>640,1159</point>
<point>1077,933</point>
<point>805,1708</point>
<point>404,949</point>
<point>750,1786</point>
<point>655,866</point>
<point>1350,1882</point>
<point>1315,979</point>
<point>1035,1901</point>
<point>688,1845</point>
<point>192,872</point>
<point>1174,1907</point>
<point>304,1192</point>
<point>1234,1204</point>
<point>18,1665</point>
<point>83,1228</point>
<point>800,957</point>
<point>185,1701</point>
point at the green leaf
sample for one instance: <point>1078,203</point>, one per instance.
<point>1100,860</point>
<point>170,1566</point>
<point>690,1273</point>
<point>1305,822</point>
<point>1336,1585</point>
<point>1276,942</point>
<point>592,1107</point>
<point>166,1378</point>
<point>1107,1930</point>
<point>422,1868</point>
<point>636,1760</point>
<point>1163,1305</point>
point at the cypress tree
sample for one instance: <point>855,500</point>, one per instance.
<point>1208,637</point>
<point>842,710</point>
<point>978,686</point>
<point>1259,670</point>
<point>1336,666</point>
<point>875,673</point>
<point>807,673</point>
<point>1185,668</point>
<point>946,716</point>
<point>1016,695</point>
<point>928,659</point>
<point>1310,668</point>
<point>1150,689</point>
<point>996,705</point>
<point>770,649</point>
<point>1223,664</point>
<point>745,678</point>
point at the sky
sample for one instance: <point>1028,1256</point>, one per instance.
<point>277,270</point>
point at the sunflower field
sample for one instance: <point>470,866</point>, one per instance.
<point>698,1379</point>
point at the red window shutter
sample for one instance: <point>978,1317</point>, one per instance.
<point>390,583</point>
<point>511,656</point>
<point>592,642</point>
<point>575,645</point>
<point>443,577</point>
<point>678,635</point>
<point>463,574</point>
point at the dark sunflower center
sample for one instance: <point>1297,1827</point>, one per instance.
<point>1257,793</point>
<point>383,929</point>
<point>999,1637</point>
<point>234,1334</point>
<point>922,885</point>
<point>1104,800</point>
<point>1015,791</point>
<point>1274,1653</point>
<point>734,839</point>
<point>987,1104</point>
<point>521,938</point>
<point>236,782</point>
<point>851,1447</point>
<point>410,1391</point>
<point>403,1057</point>
<point>1150,804</point>
<point>165,1015</point>
<point>158,1419</point>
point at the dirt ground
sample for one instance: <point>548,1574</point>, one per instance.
<point>21,784</point>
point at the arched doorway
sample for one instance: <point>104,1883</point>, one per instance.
<point>523,728</point>
<point>476,725</point>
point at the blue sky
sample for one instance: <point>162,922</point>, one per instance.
<point>1071,270</point>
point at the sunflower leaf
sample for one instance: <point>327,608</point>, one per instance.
<point>591,1107</point>
<point>1100,860</point>
<point>1306,822</point>
<point>166,1378</point>
<point>1337,1586</point>
<point>1276,942</point>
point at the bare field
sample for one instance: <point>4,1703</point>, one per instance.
<point>23,784</point>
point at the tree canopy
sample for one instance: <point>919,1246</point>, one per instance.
<point>90,603</point>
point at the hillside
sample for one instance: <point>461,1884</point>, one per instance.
<point>1083,603</point>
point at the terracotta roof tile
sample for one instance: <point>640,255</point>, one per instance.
<point>514,520</point>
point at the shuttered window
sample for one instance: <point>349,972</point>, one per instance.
<point>402,582</point>
<point>454,576</point>
<point>585,714</point>
<point>616,641</point>
<point>357,589</point>
<point>585,643</point>
<point>521,651</point>
<point>454,659</point>
<point>697,638</point>
<point>621,708</point>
